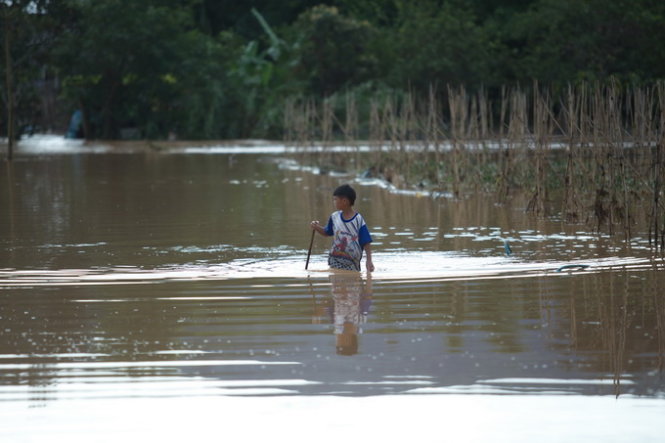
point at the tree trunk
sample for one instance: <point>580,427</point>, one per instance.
<point>9,86</point>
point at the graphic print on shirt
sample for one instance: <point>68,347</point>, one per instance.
<point>346,251</point>
<point>346,244</point>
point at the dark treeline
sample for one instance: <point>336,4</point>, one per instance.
<point>218,69</point>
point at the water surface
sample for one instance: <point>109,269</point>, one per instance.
<point>159,280</point>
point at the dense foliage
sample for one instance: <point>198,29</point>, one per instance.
<point>224,68</point>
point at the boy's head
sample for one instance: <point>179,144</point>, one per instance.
<point>347,192</point>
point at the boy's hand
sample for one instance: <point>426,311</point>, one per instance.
<point>369,264</point>
<point>316,226</point>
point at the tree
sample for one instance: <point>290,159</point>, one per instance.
<point>220,68</point>
<point>122,63</point>
<point>559,41</point>
<point>237,17</point>
<point>437,42</point>
<point>332,51</point>
<point>27,35</point>
<point>9,23</point>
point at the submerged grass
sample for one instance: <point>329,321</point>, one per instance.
<point>592,153</point>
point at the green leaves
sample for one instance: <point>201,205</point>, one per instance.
<point>559,41</point>
<point>332,51</point>
<point>136,51</point>
<point>439,44</point>
<point>223,68</point>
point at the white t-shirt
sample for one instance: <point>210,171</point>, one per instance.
<point>349,237</point>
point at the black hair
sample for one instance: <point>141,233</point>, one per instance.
<point>347,192</point>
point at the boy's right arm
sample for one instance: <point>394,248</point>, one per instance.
<point>318,228</point>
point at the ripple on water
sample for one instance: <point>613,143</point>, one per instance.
<point>391,265</point>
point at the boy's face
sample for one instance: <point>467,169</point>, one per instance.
<point>340,203</point>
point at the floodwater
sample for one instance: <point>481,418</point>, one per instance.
<point>163,295</point>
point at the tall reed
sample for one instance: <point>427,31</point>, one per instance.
<point>592,153</point>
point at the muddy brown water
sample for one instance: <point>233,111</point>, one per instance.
<point>180,275</point>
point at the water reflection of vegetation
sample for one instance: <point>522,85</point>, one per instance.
<point>605,324</point>
<point>615,317</point>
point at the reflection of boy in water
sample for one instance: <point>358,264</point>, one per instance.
<point>350,234</point>
<point>351,303</point>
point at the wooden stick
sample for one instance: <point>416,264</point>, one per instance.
<point>309,252</point>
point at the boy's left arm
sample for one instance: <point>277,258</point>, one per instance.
<point>368,261</point>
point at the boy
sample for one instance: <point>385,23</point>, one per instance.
<point>351,236</point>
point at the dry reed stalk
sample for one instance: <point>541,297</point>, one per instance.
<point>473,125</point>
<point>351,125</point>
<point>296,124</point>
<point>517,143</point>
<point>619,190</point>
<point>390,121</point>
<point>502,183</point>
<point>581,190</point>
<point>409,132</point>
<point>402,119</point>
<point>614,138</point>
<point>376,132</point>
<point>639,113</point>
<point>644,121</point>
<point>287,120</point>
<point>385,129</point>
<point>542,129</point>
<point>311,126</point>
<point>485,118</point>
<point>658,168</point>
<point>477,137</point>
<point>433,132</point>
<point>471,135</point>
<point>325,124</point>
<point>600,123</point>
<point>327,113</point>
<point>571,115</point>
<point>639,119</point>
<point>457,103</point>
